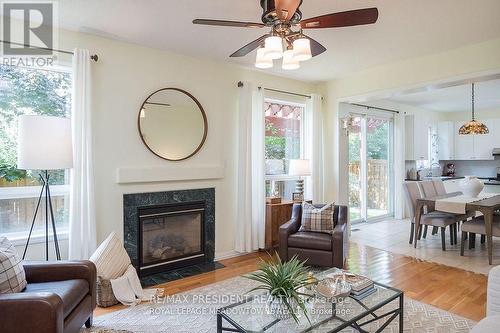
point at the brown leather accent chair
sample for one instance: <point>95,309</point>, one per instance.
<point>60,297</point>
<point>317,248</point>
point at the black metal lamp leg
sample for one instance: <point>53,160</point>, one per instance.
<point>34,218</point>
<point>56,242</point>
<point>49,214</point>
<point>46,216</point>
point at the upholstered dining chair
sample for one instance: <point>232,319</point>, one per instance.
<point>477,226</point>
<point>439,186</point>
<point>441,220</point>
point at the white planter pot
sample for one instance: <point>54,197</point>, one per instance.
<point>471,186</point>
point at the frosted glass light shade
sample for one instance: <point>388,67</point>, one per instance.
<point>262,61</point>
<point>274,47</point>
<point>289,60</point>
<point>299,168</point>
<point>302,49</point>
<point>44,143</point>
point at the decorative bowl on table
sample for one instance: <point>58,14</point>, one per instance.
<point>471,186</point>
<point>331,288</point>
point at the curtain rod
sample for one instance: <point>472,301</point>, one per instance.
<point>94,57</point>
<point>240,84</point>
<point>374,107</point>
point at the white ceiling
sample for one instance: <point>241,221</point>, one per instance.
<point>454,99</point>
<point>405,29</point>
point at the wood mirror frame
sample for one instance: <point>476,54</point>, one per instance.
<point>202,111</point>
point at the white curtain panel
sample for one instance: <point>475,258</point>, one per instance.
<point>82,236</point>
<point>313,147</point>
<point>250,221</point>
<point>399,164</point>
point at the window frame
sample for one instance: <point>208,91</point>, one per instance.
<point>286,177</point>
<point>26,192</point>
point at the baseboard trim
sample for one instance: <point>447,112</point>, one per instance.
<point>228,255</point>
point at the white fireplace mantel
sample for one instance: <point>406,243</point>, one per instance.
<point>129,175</point>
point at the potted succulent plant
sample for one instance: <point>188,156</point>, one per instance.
<point>283,281</point>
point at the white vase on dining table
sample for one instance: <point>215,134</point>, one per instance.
<point>471,186</point>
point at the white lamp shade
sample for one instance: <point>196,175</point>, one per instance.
<point>299,168</point>
<point>273,47</point>
<point>289,61</point>
<point>262,61</point>
<point>44,143</point>
<point>302,49</point>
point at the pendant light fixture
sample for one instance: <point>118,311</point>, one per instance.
<point>473,127</point>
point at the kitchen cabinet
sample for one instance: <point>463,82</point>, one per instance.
<point>464,144</point>
<point>446,140</point>
<point>417,137</point>
<point>477,147</point>
<point>484,143</point>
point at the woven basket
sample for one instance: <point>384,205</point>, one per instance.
<point>105,296</point>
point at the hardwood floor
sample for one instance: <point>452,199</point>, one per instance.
<point>448,288</point>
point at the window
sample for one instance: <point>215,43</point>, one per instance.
<point>30,91</point>
<point>283,142</point>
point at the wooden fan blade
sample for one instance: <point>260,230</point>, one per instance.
<point>224,23</point>
<point>316,47</point>
<point>342,19</point>
<point>286,8</point>
<point>249,47</point>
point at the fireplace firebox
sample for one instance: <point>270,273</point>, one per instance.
<point>171,236</point>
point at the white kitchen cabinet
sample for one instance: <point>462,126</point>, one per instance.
<point>491,189</point>
<point>417,137</point>
<point>446,140</point>
<point>464,144</point>
<point>477,147</point>
<point>484,143</point>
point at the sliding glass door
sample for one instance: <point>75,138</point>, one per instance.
<point>370,167</point>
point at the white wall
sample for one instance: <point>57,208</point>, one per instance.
<point>381,81</point>
<point>122,78</point>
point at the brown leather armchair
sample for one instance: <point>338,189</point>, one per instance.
<point>60,297</point>
<point>317,248</point>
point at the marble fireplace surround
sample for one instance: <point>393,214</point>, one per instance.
<point>132,202</point>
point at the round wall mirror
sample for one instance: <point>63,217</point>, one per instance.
<point>172,124</point>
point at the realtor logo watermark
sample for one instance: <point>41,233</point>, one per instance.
<point>25,25</point>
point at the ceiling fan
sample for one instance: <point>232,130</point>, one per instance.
<point>284,18</point>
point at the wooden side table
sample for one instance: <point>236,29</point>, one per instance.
<point>276,215</point>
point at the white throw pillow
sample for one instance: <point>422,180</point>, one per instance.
<point>12,276</point>
<point>110,258</point>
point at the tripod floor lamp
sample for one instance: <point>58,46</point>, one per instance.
<point>44,143</point>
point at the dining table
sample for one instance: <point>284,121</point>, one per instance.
<point>487,207</point>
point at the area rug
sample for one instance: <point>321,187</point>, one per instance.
<point>195,312</point>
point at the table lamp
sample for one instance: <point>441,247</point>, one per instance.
<point>301,168</point>
<point>44,143</point>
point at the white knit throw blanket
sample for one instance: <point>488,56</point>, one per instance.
<point>128,290</point>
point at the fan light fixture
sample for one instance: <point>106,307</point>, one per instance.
<point>273,47</point>
<point>302,49</point>
<point>262,61</point>
<point>290,62</point>
<point>298,50</point>
<point>473,127</point>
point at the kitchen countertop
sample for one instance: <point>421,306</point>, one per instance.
<point>488,180</point>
